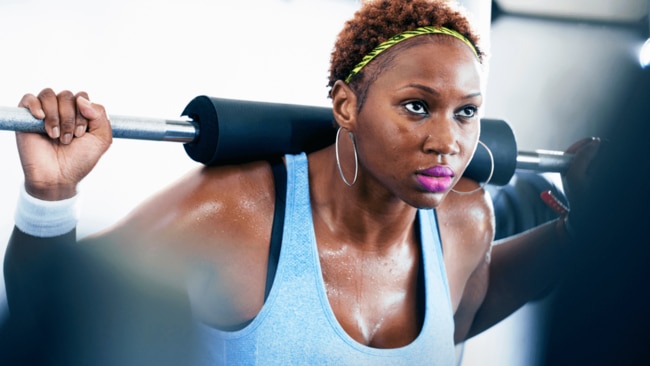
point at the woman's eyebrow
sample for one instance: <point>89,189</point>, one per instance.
<point>473,95</point>
<point>422,87</point>
<point>431,90</point>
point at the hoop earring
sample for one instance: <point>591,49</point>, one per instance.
<point>338,161</point>
<point>489,176</point>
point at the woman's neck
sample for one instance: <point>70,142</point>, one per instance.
<point>365,214</point>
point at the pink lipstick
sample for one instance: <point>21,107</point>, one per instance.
<point>436,179</point>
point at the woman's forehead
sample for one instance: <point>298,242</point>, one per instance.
<point>438,58</point>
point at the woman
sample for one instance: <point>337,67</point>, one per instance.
<point>382,259</point>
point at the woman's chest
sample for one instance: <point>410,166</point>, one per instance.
<point>377,300</point>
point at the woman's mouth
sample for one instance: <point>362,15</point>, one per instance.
<point>436,179</point>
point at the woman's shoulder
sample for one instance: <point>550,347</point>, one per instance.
<point>210,203</point>
<point>466,224</point>
<point>467,220</point>
<point>213,224</point>
<point>477,203</point>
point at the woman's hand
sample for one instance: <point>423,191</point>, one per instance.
<point>78,134</point>
<point>577,177</point>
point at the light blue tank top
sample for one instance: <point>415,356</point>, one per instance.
<point>296,325</point>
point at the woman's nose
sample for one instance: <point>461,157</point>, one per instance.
<point>441,136</point>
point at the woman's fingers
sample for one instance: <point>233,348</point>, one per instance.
<point>64,118</point>
<point>584,152</point>
<point>67,116</point>
<point>31,102</point>
<point>577,178</point>
<point>81,122</point>
<point>98,123</point>
<point>50,106</point>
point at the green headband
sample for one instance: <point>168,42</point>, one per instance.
<point>404,36</point>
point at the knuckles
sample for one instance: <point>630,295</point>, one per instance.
<point>46,94</point>
<point>65,96</point>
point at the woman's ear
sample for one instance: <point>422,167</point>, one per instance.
<point>344,105</point>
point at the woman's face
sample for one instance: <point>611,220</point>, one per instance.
<point>419,125</point>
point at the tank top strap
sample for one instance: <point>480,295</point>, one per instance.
<point>298,232</point>
<point>434,264</point>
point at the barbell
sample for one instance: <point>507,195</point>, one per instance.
<point>224,131</point>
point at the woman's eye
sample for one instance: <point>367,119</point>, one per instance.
<point>416,107</point>
<point>467,112</point>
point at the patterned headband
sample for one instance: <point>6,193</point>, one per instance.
<point>404,36</point>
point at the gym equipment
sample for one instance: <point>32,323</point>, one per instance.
<point>225,131</point>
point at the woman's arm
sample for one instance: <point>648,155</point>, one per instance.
<point>526,266</point>
<point>467,230</point>
<point>523,267</point>
<point>78,134</point>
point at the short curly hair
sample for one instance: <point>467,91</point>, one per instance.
<point>378,20</point>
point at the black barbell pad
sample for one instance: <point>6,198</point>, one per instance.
<point>500,139</point>
<point>235,131</point>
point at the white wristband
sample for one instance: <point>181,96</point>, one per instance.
<point>45,219</point>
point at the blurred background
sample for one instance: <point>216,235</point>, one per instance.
<point>559,71</point>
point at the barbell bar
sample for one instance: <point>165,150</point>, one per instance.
<point>129,127</point>
<point>222,131</point>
